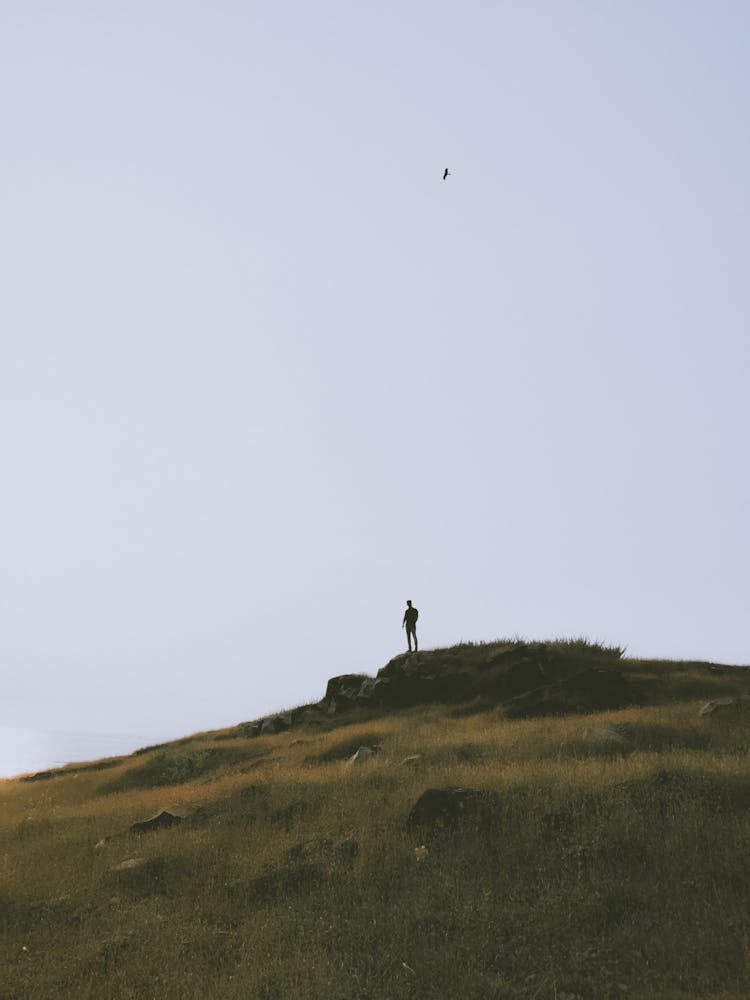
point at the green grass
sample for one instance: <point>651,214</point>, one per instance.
<point>293,874</point>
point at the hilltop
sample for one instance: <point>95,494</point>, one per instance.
<point>585,834</point>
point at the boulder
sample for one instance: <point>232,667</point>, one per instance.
<point>363,754</point>
<point>422,678</point>
<point>160,821</point>
<point>395,666</point>
<point>373,691</point>
<point>607,739</point>
<point>453,808</point>
<point>129,864</point>
<point>344,689</point>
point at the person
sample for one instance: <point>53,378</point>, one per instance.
<point>410,624</point>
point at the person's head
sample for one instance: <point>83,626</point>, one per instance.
<point>409,603</point>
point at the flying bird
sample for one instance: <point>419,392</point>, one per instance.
<point>447,173</point>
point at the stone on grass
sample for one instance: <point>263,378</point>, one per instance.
<point>608,739</point>
<point>363,754</point>
<point>161,821</point>
<point>129,864</point>
<point>719,705</point>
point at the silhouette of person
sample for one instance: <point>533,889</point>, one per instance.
<point>410,624</point>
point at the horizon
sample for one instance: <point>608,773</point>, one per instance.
<point>41,749</point>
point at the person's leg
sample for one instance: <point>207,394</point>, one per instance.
<point>416,647</point>
<point>408,639</point>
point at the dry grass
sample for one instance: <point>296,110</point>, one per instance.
<point>605,875</point>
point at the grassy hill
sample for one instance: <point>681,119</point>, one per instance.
<point>610,857</point>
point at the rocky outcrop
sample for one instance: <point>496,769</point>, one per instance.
<point>530,679</point>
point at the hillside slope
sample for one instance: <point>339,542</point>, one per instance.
<point>592,852</point>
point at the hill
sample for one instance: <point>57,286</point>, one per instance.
<point>585,834</point>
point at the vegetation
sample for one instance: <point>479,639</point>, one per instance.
<point>607,872</point>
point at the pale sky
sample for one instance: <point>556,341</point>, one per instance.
<point>264,375</point>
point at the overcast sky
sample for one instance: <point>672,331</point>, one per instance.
<point>264,375</point>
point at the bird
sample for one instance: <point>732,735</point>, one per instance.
<point>446,174</point>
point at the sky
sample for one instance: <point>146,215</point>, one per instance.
<point>265,375</point>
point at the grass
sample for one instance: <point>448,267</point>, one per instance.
<point>293,874</point>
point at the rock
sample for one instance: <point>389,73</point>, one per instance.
<point>721,705</point>
<point>101,843</point>
<point>342,691</point>
<point>608,739</point>
<point>160,821</point>
<point>363,754</point>
<point>368,689</point>
<point>276,724</point>
<point>452,808</point>
<point>395,666</point>
<point>129,864</point>
<point>415,758</point>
